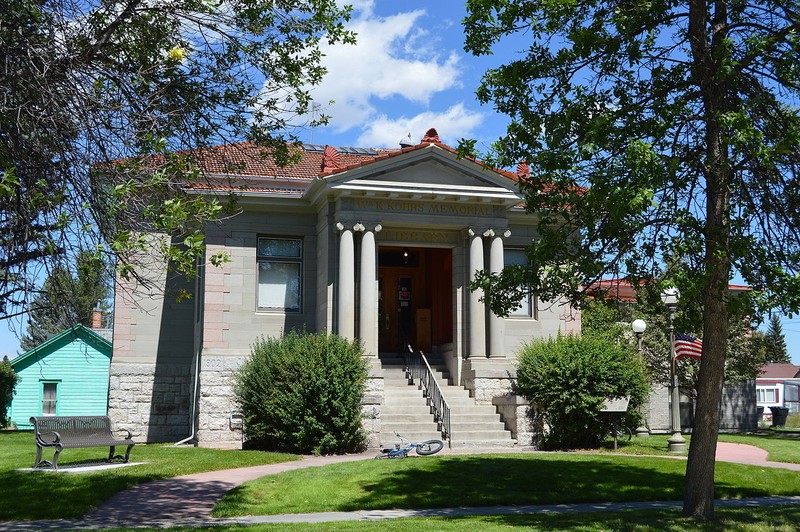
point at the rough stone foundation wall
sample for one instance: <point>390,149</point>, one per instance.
<point>153,401</point>
<point>518,415</point>
<point>219,423</point>
<point>486,389</point>
<point>371,407</point>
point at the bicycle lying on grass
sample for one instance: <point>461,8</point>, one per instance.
<point>405,446</point>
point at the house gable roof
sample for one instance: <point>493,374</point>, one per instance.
<point>779,371</point>
<point>74,332</point>
<point>427,169</point>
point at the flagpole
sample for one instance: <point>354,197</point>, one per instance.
<point>677,444</point>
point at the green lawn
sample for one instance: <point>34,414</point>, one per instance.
<point>778,519</point>
<point>781,447</point>
<point>486,480</point>
<point>439,481</point>
<point>44,495</point>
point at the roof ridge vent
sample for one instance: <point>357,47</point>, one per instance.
<point>406,142</point>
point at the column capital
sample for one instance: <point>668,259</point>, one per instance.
<point>359,227</point>
<point>497,233</point>
<point>488,232</point>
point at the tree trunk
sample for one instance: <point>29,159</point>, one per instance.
<point>707,54</point>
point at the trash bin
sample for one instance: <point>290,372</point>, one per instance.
<point>687,415</point>
<point>779,415</point>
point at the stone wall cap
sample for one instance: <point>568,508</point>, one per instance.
<point>504,400</point>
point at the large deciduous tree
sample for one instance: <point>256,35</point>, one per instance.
<point>665,136</point>
<point>96,95</point>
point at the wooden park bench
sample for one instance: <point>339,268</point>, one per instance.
<point>69,432</point>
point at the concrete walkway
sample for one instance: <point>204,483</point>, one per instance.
<point>189,499</point>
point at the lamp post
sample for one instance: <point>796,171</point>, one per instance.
<point>677,444</point>
<point>639,326</point>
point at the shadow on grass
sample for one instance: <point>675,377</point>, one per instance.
<point>52,495</point>
<point>477,481</point>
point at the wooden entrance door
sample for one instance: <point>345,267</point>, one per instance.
<point>402,292</point>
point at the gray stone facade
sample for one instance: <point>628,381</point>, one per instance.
<point>219,419</point>
<point>424,199</point>
<point>152,401</point>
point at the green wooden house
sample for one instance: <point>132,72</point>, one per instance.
<point>66,376</point>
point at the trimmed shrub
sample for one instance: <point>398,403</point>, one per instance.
<point>302,393</point>
<point>569,379</point>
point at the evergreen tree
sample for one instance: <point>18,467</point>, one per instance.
<point>67,299</point>
<point>775,342</point>
<point>8,379</point>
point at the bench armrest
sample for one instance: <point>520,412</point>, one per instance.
<point>45,442</point>
<point>129,435</point>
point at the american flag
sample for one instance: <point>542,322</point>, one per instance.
<point>687,345</point>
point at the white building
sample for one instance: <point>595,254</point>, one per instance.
<point>778,386</point>
<point>378,245</point>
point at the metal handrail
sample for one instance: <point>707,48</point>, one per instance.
<point>423,374</point>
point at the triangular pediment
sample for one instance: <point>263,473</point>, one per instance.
<point>429,171</point>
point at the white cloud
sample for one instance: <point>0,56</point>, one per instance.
<point>453,124</point>
<point>394,60</point>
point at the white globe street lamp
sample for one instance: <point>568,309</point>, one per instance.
<point>639,326</point>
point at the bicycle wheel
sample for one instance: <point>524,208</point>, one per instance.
<point>382,455</point>
<point>429,447</point>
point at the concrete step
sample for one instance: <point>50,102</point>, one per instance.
<point>474,418</point>
<point>411,417</point>
<point>457,443</point>
<point>482,435</point>
<point>459,427</point>
<point>403,428</point>
<point>406,409</point>
<point>408,412</point>
<point>388,439</point>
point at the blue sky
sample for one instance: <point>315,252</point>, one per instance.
<point>407,73</point>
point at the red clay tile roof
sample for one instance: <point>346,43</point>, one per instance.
<point>622,290</point>
<point>245,166</point>
<point>247,159</point>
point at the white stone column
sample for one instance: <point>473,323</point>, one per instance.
<point>497,324</point>
<point>368,300</point>
<point>346,304</point>
<point>477,310</point>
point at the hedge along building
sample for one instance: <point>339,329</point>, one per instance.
<point>371,244</point>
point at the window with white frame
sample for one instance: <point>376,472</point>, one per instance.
<point>527,307</point>
<point>766,395</point>
<point>49,398</point>
<point>280,273</point>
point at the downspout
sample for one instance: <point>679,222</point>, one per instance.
<point>198,348</point>
<point>193,429</point>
